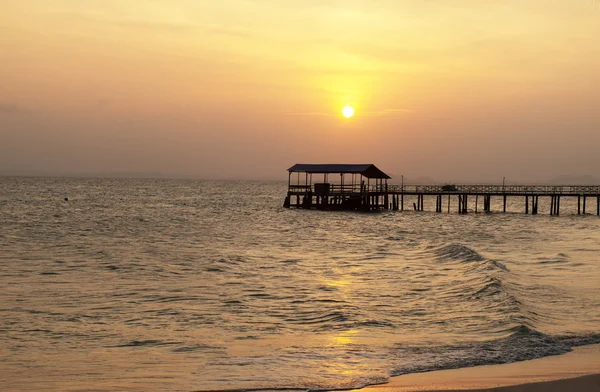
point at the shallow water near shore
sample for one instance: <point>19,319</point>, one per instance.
<point>181,285</point>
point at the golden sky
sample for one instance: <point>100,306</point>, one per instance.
<point>237,88</point>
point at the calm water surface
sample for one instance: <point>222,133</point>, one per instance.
<point>176,285</point>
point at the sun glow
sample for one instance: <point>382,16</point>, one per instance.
<point>348,111</point>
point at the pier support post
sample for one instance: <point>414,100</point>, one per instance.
<point>584,201</point>
<point>598,205</point>
<point>526,205</point>
<point>386,197</point>
<point>504,209</point>
<point>449,204</point>
<point>487,203</point>
<point>578,204</point>
<point>557,205</point>
<point>402,202</point>
<point>476,202</point>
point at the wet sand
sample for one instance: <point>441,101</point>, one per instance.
<point>578,370</point>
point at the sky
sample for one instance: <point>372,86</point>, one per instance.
<point>470,90</point>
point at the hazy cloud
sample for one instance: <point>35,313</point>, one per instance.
<point>10,108</point>
<point>385,112</point>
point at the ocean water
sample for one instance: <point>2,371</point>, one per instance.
<point>180,285</point>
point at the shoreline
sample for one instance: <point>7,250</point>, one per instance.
<point>577,370</point>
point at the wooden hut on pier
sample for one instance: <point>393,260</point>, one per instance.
<point>337,186</point>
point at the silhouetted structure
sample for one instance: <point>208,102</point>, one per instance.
<point>337,186</point>
<point>352,188</point>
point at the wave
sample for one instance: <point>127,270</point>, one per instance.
<point>463,254</point>
<point>334,318</point>
<point>492,286</point>
<point>141,343</point>
<point>523,343</point>
<point>559,258</point>
<point>457,252</point>
<point>338,319</point>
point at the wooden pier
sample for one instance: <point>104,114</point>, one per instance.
<point>366,188</point>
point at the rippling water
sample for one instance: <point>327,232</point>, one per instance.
<point>164,285</point>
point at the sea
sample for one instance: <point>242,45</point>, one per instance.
<point>188,285</point>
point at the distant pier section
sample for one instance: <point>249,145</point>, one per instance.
<point>364,187</point>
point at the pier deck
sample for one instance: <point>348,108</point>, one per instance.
<point>498,190</point>
<point>531,194</point>
<point>351,192</point>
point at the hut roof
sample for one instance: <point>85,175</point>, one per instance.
<point>367,170</point>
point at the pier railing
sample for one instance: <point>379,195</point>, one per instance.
<point>572,190</point>
<point>496,189</point>
<point>335,189</point>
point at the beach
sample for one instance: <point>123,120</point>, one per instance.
<point>578,370</point>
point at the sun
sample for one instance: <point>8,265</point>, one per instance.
<point>348,111</point>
